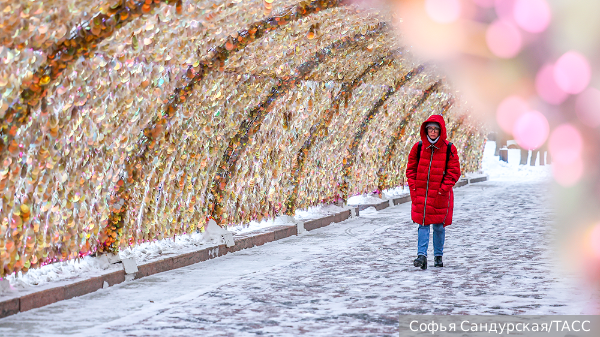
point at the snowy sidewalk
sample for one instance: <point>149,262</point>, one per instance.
<point>350,278</point>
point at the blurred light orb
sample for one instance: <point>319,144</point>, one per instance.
<point>567,175</point>
<point>565,144</point>
<point>509,111</point>
<point>504,9</point>
<point>443,11</point>
<point>503,39</point>
<point>531,130</point>
<point>588,107</point>
<point>484,3</point>
<point>595,240</point>
<point>532,15</point>
<point>428,39</point>
<point>572,72</point>
<point>547,88</point>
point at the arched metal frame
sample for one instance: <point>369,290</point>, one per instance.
<point>322,125</point>
<point>152,133</point>
<point>350,158</point>
<point>251,125</point>
<point>85,39</point>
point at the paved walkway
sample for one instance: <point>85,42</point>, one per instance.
<point>351,278</point>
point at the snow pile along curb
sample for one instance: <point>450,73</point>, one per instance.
<point>42,297</point>
<point>14,303</point>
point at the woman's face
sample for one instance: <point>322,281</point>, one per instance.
<point>433,132</point>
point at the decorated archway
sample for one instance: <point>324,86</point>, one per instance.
<point>146,118</point>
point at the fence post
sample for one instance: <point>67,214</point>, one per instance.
<point>503,155</point>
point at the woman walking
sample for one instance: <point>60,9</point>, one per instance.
<point>433,169</point>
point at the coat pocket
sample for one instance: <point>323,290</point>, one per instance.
<point>441,200</point>
<point>413,194</point>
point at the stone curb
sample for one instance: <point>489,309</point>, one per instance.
<point>462,182</point>
<point>48,296</point>
<point>478,179</point>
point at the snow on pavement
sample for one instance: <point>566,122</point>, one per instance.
<point>350,278</point>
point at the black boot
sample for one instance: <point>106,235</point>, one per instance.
<point>421,261</point>
<point>438,261</point>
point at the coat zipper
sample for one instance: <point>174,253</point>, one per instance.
<point>447,209</point>
<point>427,187</point>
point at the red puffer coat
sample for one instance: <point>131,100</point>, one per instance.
<point>430,190</point>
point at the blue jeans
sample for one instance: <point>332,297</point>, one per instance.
<point>439,235</point>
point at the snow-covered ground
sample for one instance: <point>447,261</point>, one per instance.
<point>352,278</point>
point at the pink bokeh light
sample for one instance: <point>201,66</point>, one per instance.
<point>504,9</point>
<point>565,144</point>
<point>509,111</point>
<point>484,3</point>
<point>532,16</point>
<point>443,11</point>
<point>547,87</point>
<point>588,107</point>
<point>531,130</point>
<point>572,72</point>
<point>503,39</point>
<point>595,240</point>
<point>567,175</point>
